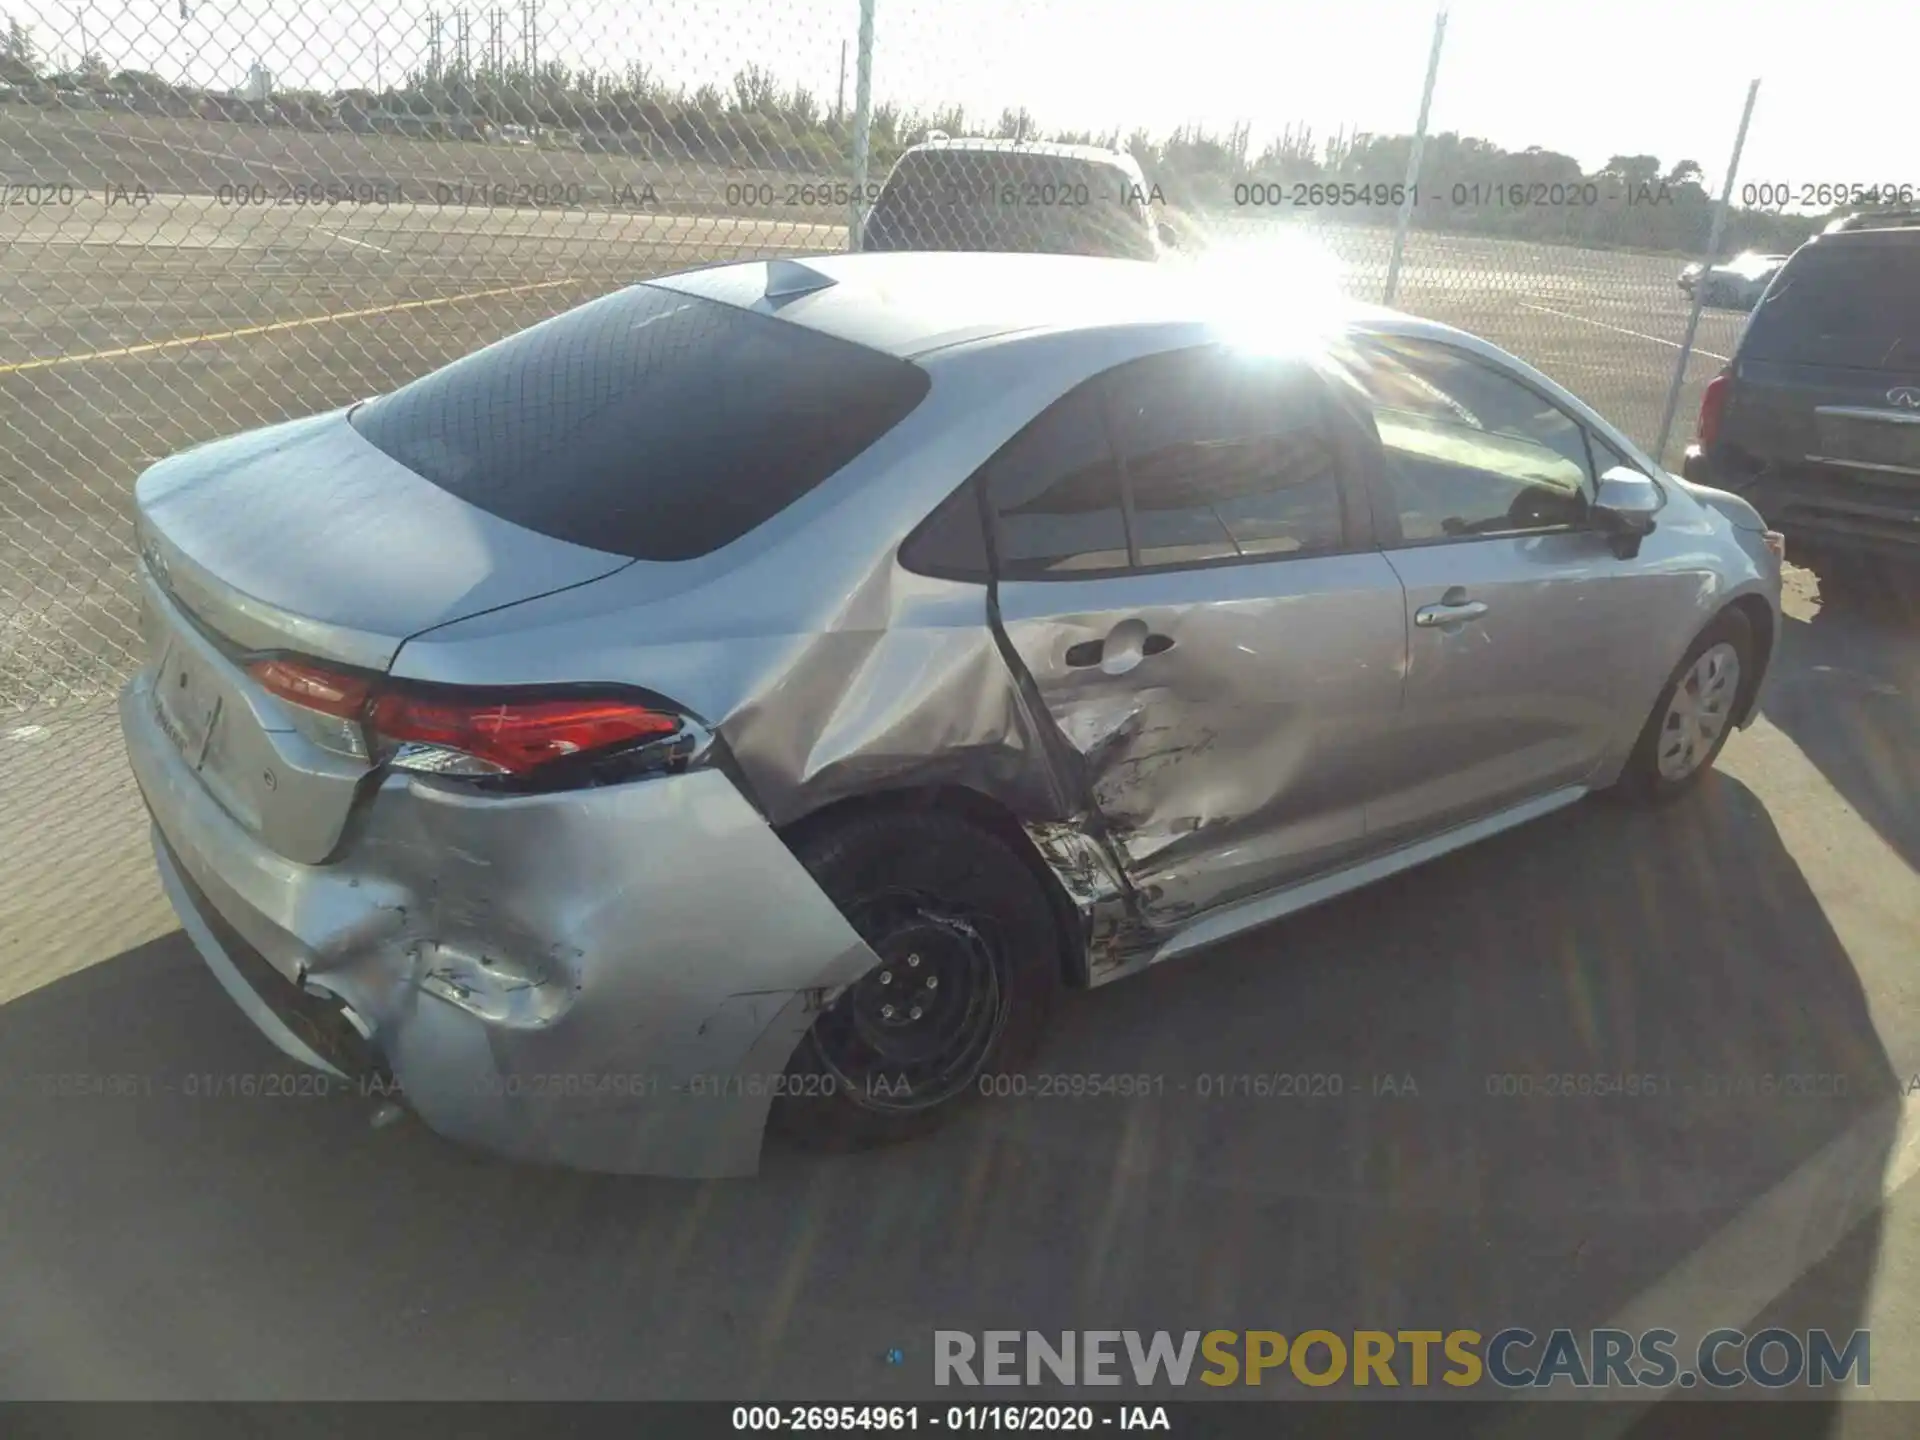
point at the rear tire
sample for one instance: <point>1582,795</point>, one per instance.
<point>1694,715</point>
<point>970,969</point>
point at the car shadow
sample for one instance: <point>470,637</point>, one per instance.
<point>169,1237</point>
<point>1846,689</point>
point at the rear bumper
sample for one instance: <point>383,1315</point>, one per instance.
<point>1838,514</point>
<point>610,979</point>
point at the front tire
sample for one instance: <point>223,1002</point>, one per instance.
<point>1693,717</point>
<point>970,969</point>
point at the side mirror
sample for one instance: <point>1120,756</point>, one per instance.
<point>1168,236</point>
<point>1624,506</point>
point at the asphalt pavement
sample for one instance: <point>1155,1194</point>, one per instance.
<point>180,1240</point>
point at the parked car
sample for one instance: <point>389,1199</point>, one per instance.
<point>759,692</point>
<point>1736,285</point>
<point>974,194</point>
<point>1816,418</point>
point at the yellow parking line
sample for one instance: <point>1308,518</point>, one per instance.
<point>214,335</point>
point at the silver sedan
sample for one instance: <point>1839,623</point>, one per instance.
<point>1737,284</point>
<point>753,697</point>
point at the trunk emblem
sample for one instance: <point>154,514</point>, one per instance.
<point>1905,395</point>
<point>156,562</point>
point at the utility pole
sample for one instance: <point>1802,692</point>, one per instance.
<point>1700,286</point>
<point>1405,218</point>
<point>862,124</point>
<point>840,105</point>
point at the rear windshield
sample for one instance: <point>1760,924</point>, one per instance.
<point>646,423</point>
<point>1842,304</point>
<point>980,200</point>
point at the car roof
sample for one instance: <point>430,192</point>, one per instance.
<point>907,303</point>
<point>1877,221</point>
<point>1867,236</point>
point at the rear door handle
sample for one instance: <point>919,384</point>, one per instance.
<point>1125,646</point>
<point>1430,616</point>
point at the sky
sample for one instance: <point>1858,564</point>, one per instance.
<point>1660,77</point>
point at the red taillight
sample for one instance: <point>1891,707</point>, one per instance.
<point>313,687</point>
<point>1712,405</point>
<point>500,734</point>
<point>514,735</point>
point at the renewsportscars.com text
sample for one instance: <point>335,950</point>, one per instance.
<point>1513,1358</point>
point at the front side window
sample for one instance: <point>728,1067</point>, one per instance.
<point>1469,450</point>
<point>1227,456</point>
<point>1606,458</point>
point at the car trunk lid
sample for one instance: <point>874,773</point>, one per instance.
<point>305,536</point>
<point>305,539</point>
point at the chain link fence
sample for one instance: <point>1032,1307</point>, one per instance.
<point>217,217</point>
<point>214,216</point>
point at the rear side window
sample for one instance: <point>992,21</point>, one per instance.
<point>647,423</point>
<point>1055,494</point>
<point>951,542</point>
<point>1852,305</point>
<point>1226,456</point>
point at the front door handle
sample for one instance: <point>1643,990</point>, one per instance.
<point>1449,613</point>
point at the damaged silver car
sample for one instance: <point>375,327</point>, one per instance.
<point>756,695</point>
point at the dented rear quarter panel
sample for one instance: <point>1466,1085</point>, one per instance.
<point>564,978</point>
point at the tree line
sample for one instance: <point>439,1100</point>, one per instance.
<point>1467,185</point>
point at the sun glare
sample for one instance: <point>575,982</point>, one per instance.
<point>1274,292</point>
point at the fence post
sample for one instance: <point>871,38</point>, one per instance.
<point>1699,286</point>
<point>862,125</point>
<point>1405,217</point>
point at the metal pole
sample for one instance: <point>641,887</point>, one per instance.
<point>1405,218</point>
<point>862,123</point>
<point>840,101</point>
<point>1699,286</point>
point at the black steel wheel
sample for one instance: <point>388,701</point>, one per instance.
<point>968,972</point>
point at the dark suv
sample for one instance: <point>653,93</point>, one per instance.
<point>1816,419</point>
<point>977,194</point>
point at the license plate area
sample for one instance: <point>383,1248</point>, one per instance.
<point>187,703</point>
